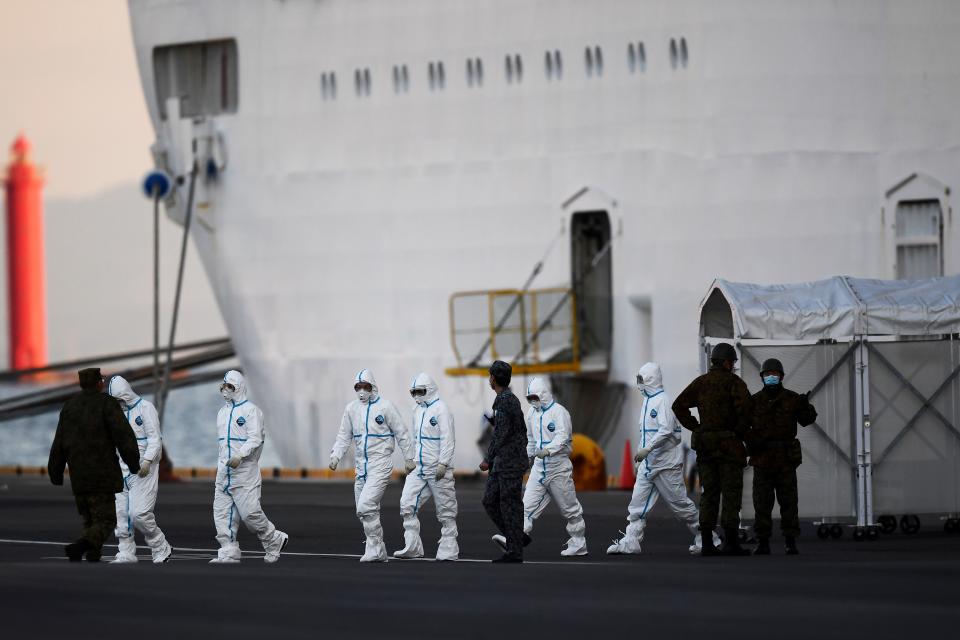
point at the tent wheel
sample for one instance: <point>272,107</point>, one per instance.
<point>909,523</point>
<point>888,524</point>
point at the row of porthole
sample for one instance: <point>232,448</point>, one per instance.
<point>513,69</point>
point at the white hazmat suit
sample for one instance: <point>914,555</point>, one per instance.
<point>373,425</point>
<point>236,496</point>
<point>660,469</point>
<point>434,441</point>
<point>549,442</point>
<point>139,496</point>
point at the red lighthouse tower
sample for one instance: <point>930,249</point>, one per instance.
<point>26,280</point>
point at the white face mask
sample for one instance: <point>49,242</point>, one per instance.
<point>363,396</point>
<point>420,400</point>
<point>535,404</point>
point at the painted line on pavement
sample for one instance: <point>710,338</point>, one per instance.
<point>301,554</point>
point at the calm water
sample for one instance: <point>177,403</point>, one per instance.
<point>189,432</point>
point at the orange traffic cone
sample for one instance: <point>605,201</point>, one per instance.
<point>628,475</point>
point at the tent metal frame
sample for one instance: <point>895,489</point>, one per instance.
<point>861,350</point>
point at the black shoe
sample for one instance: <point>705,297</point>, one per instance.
<point>509,559</point>
<point>502,541</point>
<point>790,545</point>
<point>76,550</point>
<point>707,548</point>
<point>94,555</point>
<point>731,545</point>
<point>763,547</point>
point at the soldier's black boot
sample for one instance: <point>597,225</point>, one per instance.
<point>94,555</point>
<point>76,550</point>
<point>507,558</point>
<point>763,547</point>
<point>707,547</point>
<point>790,545</point>
<point>731,546</point>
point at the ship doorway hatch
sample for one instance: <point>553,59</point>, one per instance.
<point>543,330</point>
<point>592,278</point>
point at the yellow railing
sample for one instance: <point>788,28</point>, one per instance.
<point>535,330</point>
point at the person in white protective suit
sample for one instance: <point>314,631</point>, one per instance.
<point>241,432</point>
<point>549,444</point>
<point>135,503</point>
<point>434,443</point>
<point>660,466</point>
<point>373,424</point>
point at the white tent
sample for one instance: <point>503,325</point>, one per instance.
<point>836,308</point>
<point>882,360</point>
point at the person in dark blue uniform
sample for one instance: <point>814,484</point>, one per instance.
<point>507,461</point>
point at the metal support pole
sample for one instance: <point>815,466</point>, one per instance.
<point>857,427</point>
<point>867,433</point>
<point>861,427</point>
<point>156,295</point>
<point>164,385</point>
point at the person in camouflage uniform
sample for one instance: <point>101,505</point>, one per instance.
<point>775,455</point>
<point>507,461</point>
<point>92,429</point>
<point>723,402</point>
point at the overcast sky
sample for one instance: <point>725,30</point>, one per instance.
<point>69,80</point>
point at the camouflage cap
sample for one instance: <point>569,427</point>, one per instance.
<point>724,351</point>
<point>772,364</point>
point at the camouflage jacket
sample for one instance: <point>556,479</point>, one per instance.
<point>507,453</point>
<point>723,402</point>
<point>772,437</point>
<point>92,429</point>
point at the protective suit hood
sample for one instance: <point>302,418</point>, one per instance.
<point>541,388</point>
<point>426,382</point>
<point>237,380</point>
<point>365,375</point>
<point>650,378</point>
<point>119,388</point>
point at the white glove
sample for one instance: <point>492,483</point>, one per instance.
<point>234,462</point>
<point>542,453</point>
<point>441,471</point>
<point>642,454</point>
<point>410,465</point>
<point>334,461</point>
<point>144,468</point>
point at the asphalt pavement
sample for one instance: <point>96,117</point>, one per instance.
<point>896,587</point>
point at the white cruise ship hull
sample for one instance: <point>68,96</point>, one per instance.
<point>769,149</point>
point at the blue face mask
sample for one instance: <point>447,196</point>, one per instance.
<point>771,381</point>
